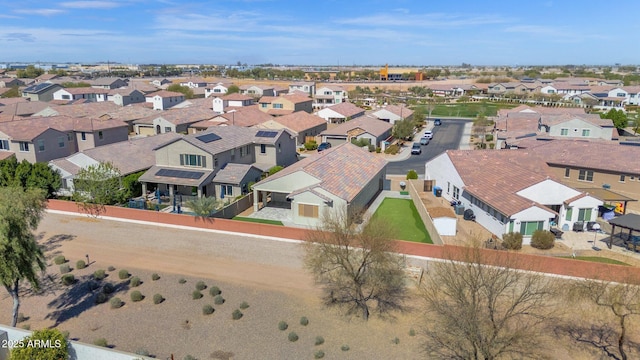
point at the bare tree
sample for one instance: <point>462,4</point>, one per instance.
<point>476,311</point>
<point>356,267</point>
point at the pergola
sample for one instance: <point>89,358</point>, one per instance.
<point>629,222</point>
<point>608,196</point>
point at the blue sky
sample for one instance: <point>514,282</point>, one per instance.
<point>322,32</point>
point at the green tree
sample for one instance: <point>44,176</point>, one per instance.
<point>131,185</point>
<point>14,92</point>
<point>8,171</point>
<point>57,349</point>
<point>636,123</point>
<point>232,89</point>
<point>97,186</point>
<point>275,169</point>
<point>188,93</point>
<point>45,178</point>
<point>22,174</point>
<point>403,129</point>
<point>30,72</point>
<point>20,255</point>
<point>203,206</point>
<point>618,117</point>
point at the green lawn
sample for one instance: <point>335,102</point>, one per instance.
<point>404,217</point>
<point>469,110</point>
<point>598,259</point>
<point>261,221</point>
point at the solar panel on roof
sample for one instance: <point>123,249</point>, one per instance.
<point>207,138</point>
<point>268,134</point>
<point>181,174</point>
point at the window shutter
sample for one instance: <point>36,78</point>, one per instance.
<point>181,159</point>
<point>204,161</point>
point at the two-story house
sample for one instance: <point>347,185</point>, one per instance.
<point>87,94</point>
<point>194,83</point>
<point>172,120</point>
<point>40,91</point>
<point>242,116</point>
<point>286,104</point>
<point>222,104</point>
<point>220,88</point>
<point>307,87</point>
<point>304,126</point>
<point>109,83</point>
<point>163,99</point>
<point>126,96</point>
<point>329,95</point>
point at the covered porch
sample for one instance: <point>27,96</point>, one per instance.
<point>178,181</point>
<point>617,201</point>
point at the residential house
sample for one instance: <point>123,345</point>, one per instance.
<point>332,182</point>
<point>161,82</point>
<point>393,113</point>
<point>257,91</point>
<point>189,165</point>
<point>86,94</point>
<point>243,116</point>
<point>307,87</point>
<point>220,88</point>
<point>304,126</point>
<point>46,77</point>
<point>194,83</point>
<point>633,94</point>
<point>452,90</point>
<point>40,91</point>
<point>374,130</point>
<point>329,95</point>
<point>509,191</point>
<point>109,83</point>
<point>340,113</point>
<point>126,96</point>
<point>286,104</point>
<point>20,108</point>
<point>10,82</point>
<point>172,120</point>
<point>222,104</point>
<point>163,99</point>
<point>507,88</point>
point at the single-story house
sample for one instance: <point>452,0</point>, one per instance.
<point>364,127</point>
<point>339,113</point>
<point>393,113</point>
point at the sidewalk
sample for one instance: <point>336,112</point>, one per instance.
<point>405,150</point>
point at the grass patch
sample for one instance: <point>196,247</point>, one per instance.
<point>469,110</point>
<point>404,193</point>
<point>597,259</point>
<point>402,213</point>
<point>260,221</point>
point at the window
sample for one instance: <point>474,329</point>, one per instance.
<point>4,144</point>
<point>621,178</point>
<point>61,141</point>
<point>83,136</point>
<point>327,92</point>
<point>567,172</point>
<point>100,135</point>
<point>448,187</point>
<point>24,146</point>
<point>263,149</point>
<point>40,145</point>
<point>193,160</point>
<point>308,210</point>
<point>569,214</point>
<point>277,106</point>
<point>264,105</point>
<point>585,175</point>
<point>631,178</point>
<point>621,95</point>
<point>66,97</point>
<point>456,193</point>
<point>584,214</point>
<point>564,132</point>
<point>69,137</point>
<point>528,227</point>
<point>226,190</point>
<point>215,162</point>
<point>586,132</point>
<point>167,129</point>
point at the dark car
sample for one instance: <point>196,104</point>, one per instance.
<point>437,122</point>
<point>324,146</point>
<point>416,149</point>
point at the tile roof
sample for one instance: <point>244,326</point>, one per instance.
<point>399,110</point>
<point>86,90</point>
<point>241,116</point>
<point>29,128</point>
<point>232,173</point>
<point>299,121</point>
<point>371,125</point>
<point>92,109</point>
<point>165,93</point>
<point>19,109</point>
<point>182,116</point>
<point>6,154</point>
<point>236,97</point>
<point>297,98</point>
<point>346,109</point>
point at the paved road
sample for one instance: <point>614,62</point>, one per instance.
<point>445,137</point>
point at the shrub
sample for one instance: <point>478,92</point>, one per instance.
<point>304,321</point>
<point>492,145</point>
<point>412,332</point>
<point>182,281</point>
<point>542,239</point>
<point>59,260</point>
<point>123,274</point>
<point>282,325</point>
<point>108,288</point>
<point>99,274</point>
<point>207,310</point>
<point>236,314</point>
<point>136,296</point>
<point>189,357</point>
<point>200,285</point>
<point>293,337</point>
<point>57,349</point>
<point>157,299</point>
<point>310,145</point>
<point>116,303</point>
<point>134,282</point>
<point>68,279</point>
<point>244,305</point>
<point>64,268</point>
<point>488,137</point>
<point>395,341</point>
<point>319,340</point>
<point>195,295</point>
<point>111,268</point>
<point>512,241</point>
<point>392,149</point>
<point>318,354</point>
<point>378,150</point>
<point>142,351</point>
<point>101,342</point>
<point>345,348</point>
<point>214,291</point>
<point>92,285</point>
<point>372,148</point>
<point>412,175</point>
<point>101,298</point>
<point>155,277</point>
<point>80,264</point>
<point>218,300</point>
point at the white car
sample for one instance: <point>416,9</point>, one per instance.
<point>428,134</point>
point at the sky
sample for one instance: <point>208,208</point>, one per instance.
<point>322,32</point>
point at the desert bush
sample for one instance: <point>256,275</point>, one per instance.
<point>207,310</point>
<point>68,279</point>
<point>345,348</point>
<point>412,174</point>
<point>488,137</point>
<point>200,285</point>
<point>319,340</point>
<point>395,341</point>
<point>372,148</point>
<point>542,239</point>
<point>111,268</point>
<point>101,342</point>
<point>195,295</point>
<point>236,314</point>
<point>282,325</point>
<point>92,285</point>
<point>102,298</point>
<point>80,264</point>
<point>189,357</point>
<point>244,305</point>
<point>123,274</point>
<point>310,145</point>
<point>64,268</point>
<point>318,354</point>
<point>293,337</point>
<point>512,241</point>
<point>116,303</point>
<point>412,332</point>
<point>26,327</point>
<point>136,296</point>
<point>304,321</point>
<point>392,149</point>
<point>134,282</point>
<point>218,300</point>
<point>378,150</point>
<point>155,277</point>
<point>108,288</point>
<point>142,351</point>
<point>182,280</point>
<point>157,299</point>
<point>57,350</point>
<point>99,274</point>
<point>492,145</point>
<point>214,291</point>
<point>59,260</point>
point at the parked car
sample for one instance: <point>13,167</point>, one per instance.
<point>428,134</point>
<point>424,141</point>
<point>324,146</point>
<point>437,122</point>
<point>416,149</point>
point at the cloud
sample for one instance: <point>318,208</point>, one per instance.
<point>17,36</point>
<point>41,12</point>
<point>435,20</point>
<point>555,33</point>
<point>90,4</point>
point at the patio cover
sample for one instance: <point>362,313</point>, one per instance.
<point>608,196</point>
<point>628,221</point>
